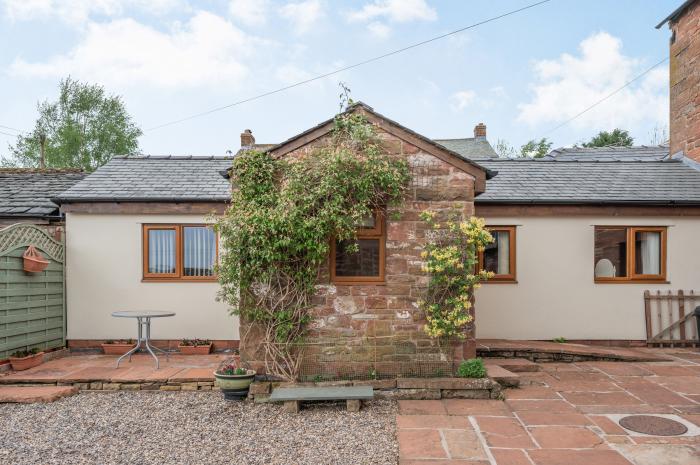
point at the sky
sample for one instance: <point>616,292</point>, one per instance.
<point>522,75</point>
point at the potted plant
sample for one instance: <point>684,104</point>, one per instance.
<point>25,359</point>
<point>195,346</point>
<point>117,347</point>
<point>34,262</point>
<point>234,380</point>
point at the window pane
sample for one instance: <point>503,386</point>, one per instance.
<point>610,252</point>
<point>161,251</point>
<point>497,254</point>
<point>647,252</point>
<point>199,251</point>
<point>365,262</point>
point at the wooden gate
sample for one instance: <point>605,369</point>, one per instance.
<point>32,305</point>
<point>669,318</point>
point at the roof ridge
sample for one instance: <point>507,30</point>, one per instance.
<point>173,157</point>
<point>42,170</point>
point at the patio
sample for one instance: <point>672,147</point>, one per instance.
<point>563,414</point>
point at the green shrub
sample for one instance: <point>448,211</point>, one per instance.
<point>560,340</point>
<point>472,368</point>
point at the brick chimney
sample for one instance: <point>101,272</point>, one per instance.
<point>684,68</point>
<point>480,131</point>
<point>247,139</point>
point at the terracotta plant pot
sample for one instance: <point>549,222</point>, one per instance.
<point>25,363</point>
<point>195,350</point>
<point>117,348</point>
<point>34,262</point>
<point>235,387</point>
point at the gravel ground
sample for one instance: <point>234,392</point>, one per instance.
<point>193,428</point>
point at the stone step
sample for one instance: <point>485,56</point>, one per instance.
<point>502,376</point>
<point>33,394</point>
<point>516,365</point>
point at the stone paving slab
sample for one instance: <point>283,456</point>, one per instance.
<point>563,414</point>
<point>33,394</point>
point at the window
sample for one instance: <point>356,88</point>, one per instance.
<point>628,254</point>
<point>499,256</point>
<point>366,265</point>
<point>179,252</point>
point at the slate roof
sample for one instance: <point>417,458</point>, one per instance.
<point>676,13</point>
<point>154,179</point>
<point>470,147</point>
<point>636,153</point>
<point>592,182</point>
<point>28,192</point>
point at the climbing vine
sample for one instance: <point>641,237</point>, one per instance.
<point>275,234</point>
<point>451,257</point>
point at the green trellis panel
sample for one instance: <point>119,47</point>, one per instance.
<point>32,305</point>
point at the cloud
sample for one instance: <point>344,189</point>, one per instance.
<point>398,11</point>
<point>462,99</point>
<point>80,11</point>
<point>380,12</point>
<point>207,50</point>
<point>566,86</point>
<point>302,15</point>
<point>249,12</point>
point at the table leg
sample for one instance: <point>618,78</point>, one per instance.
<point>148,337</point>
<point>136,347</point>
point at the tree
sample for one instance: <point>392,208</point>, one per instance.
<point>84,128</point>
<point>616,138</point>
<point>535,149</point>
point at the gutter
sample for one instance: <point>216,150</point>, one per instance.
<point>597,202</point>
<point>137,200</point>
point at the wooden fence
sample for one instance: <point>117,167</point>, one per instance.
<point>32,305</point>
<point>669,318</point>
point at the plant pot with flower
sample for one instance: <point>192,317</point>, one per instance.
<point>234,381</point>
<point>26,359</point>
<point>195,346</point>
<point>118,346</point>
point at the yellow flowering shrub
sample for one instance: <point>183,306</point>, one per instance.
<point>451,257</point>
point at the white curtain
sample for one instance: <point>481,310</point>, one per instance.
<point>161,251</point>
<point>200,251</point>
<point>651,252</point>
<point>503,243</point>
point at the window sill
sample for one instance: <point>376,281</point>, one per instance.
<point>631,281</point>
<point>359,283</point>
<point>178,280</point>
<point>500,281</point>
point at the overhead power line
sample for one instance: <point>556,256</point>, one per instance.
<point>8,134</point>
<point>645,72</point>
<point>10,128</point>
<point>345,68</point>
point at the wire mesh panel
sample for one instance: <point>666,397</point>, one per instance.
<point>375,358</point>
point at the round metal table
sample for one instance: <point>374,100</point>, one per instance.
<point>143,319</point>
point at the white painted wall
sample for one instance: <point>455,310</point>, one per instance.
<point>555,294</point>
<point>103,274</point>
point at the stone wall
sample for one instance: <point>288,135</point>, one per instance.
<point>685,83</point>
<point>380,327</point>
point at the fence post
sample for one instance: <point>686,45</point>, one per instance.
<point>647,313</point>
<point>681,313</point>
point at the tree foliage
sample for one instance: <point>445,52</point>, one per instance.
<point>84,128</point>
<point>536,148</point>
<point>276,231</point>
<point>615,138</point>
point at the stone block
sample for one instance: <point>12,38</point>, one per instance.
<point>82,386</point>
<point>261,398</point>
<point>111,386</point>
<point>353,405</point>
<point>170,387</point>
<point>503,377</point>
<point>188,387</point>
<point>96,386</point>
<point>260,387</point>
<point>130,387</point>
<point>466,394</point>
<point>292,406</point>
<point>377,383</point>
<point>444,383</point>
<point>205,388</point>
<point>404,394</point>
<point>150,386</point>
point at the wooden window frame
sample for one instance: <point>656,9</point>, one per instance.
<point>179,275</point>
<point>512,276</point>
<point>632,277</point>
<point>378,232</point>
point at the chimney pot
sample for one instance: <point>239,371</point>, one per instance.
<point>247,139</point>
<point>480,131</point>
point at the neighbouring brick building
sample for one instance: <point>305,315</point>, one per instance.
<point>685,79</point>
